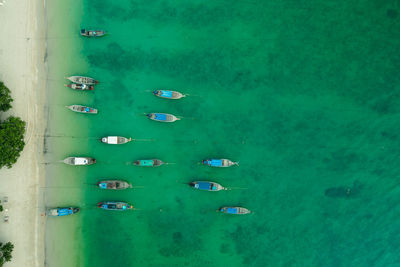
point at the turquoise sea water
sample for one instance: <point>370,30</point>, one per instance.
<point>304,94</point>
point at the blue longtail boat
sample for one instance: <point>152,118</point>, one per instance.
<point>208,186</point>
<point>56,212</point>
<point>168,94</point>
<point>162,117</point>
<point>114,205</point>
<point>234,210</point>
<point>148,162</point>
<point>219,163</point>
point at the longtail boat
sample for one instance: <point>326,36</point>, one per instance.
<point>168,94</point>
<point>162,117</point>
<point>56,212</point>
<point>114,205</point>
<point>208,186</point>
<point>78,161</point>
<point>82,80</point>
<point>219,162</point>
<point>234,210</point>
<point>83,109</point>
<point>115,140</point>
<point>91,33</point>
<point>80,87</point>
<point>114,184</point>
<point>148,162</point>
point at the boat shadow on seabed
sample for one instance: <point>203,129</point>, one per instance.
<point>345,191</point>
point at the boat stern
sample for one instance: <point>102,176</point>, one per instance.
<point>102,185</point>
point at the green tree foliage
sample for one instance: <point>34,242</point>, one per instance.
<point>5,252</point>
<point>5,98</point>
<point>12,143</point>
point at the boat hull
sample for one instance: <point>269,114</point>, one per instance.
<point>234,210</point>
<point>114,185</point>
<point>82,80</point>
<point>115,140</point>
<point>168,94</point>
<point>91,33</point>
<point>148,163</point>
<point>79,161</point>
<point>114,205</point>
<point>80,87</point>
<point>82,109</point>
<point>220,163</point>
<point>162,117</point>
<point>57,212</point>
<point>206,185</point>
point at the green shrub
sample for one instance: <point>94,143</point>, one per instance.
<point>12,143</point>
<point>5,251</point>
<point>5,98</point>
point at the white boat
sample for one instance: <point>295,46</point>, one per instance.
<point>82,109</point>
<point>92,33</point>
<point>79,161</point>
<point>115,140</point>
<point>80,87</point>
<point>82,80</point>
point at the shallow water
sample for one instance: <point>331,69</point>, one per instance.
<point>303,94</point>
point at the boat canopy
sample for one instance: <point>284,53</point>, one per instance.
<point>106,206</point>
<point>166,93</point>
<point>63,212</point>
<point>203,185</point>
<point>231,210</point>
<point>103,185</point>
<point>112,140</point>
<point>81,161</point>
<point>161,117</point>
<point>214,162</point>
<point>147,162</point>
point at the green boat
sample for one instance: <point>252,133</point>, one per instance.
<point>148,162</point>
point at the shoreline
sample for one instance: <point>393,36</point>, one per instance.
<point>64,243</point>
<point>23,70</point>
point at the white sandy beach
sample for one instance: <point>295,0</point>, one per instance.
<point>22,69</point>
